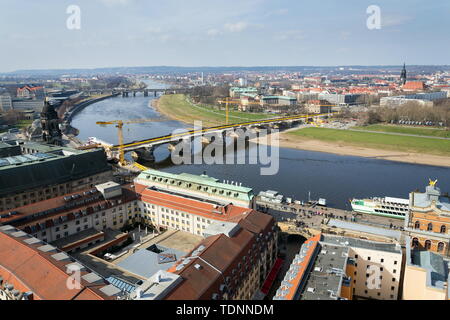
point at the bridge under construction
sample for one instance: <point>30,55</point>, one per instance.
<point>144,148</point>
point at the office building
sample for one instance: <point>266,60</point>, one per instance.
<point>197,186</point>
<point>5,100</point>
<point>167,210</point>
<point>43,172</point>
<point>106,206</point>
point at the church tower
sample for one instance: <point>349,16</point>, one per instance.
<point>403,75</point>
<point>50,125</point>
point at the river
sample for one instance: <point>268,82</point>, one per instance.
<point>334,177</point>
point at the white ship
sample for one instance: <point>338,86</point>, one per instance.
<point>387,206</point>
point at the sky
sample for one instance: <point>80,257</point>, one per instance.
<point>113,33</point>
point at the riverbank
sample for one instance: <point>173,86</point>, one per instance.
<point>72,132</point>
<point>396,148</point>
<point>179,107</point>
<point>293,142</point>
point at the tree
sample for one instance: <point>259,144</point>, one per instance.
<point>373,117</point>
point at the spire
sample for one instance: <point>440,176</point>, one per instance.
<point>403,75</point>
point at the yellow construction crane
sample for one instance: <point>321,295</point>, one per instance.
<point>230,101</point>
<point>119,125</point>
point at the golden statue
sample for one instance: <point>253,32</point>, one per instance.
<point>433,183</point>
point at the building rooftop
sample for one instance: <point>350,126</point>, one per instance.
<point>63,208</point>
<point>190,179</point>
<point>147,262</point>
<point>48,165</point>
<point>358,243</point>
<point>295,278</point>
<point>157,286</point>
<point>437,267</point>
<point>202,208</point>
<point>424,200</point>
<point>205,269</point>
<point>31,265</point>
<point>364,228</point>
<point>326,276</point>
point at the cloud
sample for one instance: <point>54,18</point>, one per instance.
<point>236,27</point>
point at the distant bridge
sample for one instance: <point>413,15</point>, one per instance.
<point>145,148</point>
<point>145,91</point>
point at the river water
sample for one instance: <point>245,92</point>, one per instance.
<point>333,177</point>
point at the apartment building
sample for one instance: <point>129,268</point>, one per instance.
<point>106,206</point>
<point>232,263</point>
<point>337,268</point>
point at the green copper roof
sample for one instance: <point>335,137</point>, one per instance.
<point>203,180</point>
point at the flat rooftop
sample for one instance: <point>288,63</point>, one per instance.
<point>365,229</point>
<point>325,279</point>
<point>358,243</point>
<point>435,264</point>
<point>77,238</point>
<point>145,262</point>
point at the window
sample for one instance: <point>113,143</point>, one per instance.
<point>427,245</point>
<point>417,225</point>
<point>430,227</point>
<point>443,229</point>
<point>415,243</point>
<point>440,247</point>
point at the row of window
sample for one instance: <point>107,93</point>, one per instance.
<point>427,245</point>
<point>443,228</point>
<point>198,187</point>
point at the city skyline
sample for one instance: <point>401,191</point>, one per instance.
<point>132,33</point>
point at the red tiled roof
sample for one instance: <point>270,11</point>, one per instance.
<point>58,204</point>
<point>204,209</point>
<point>29,269</point>
<point>225,254</point>
<point>303,267</point>
<point>414,85</point>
